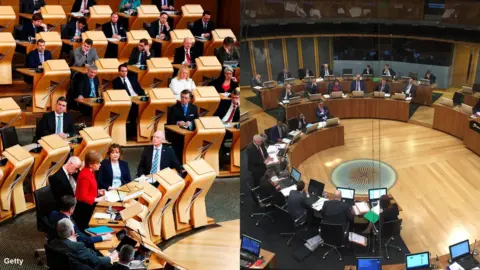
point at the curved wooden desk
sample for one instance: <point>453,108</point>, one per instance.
<point>450,120</point>
<point>471,138</point>
<point>369,108</point>
<point>248,128</point>
<point>7,49</point>
<point>270,97</point>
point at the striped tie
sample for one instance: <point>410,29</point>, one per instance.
<point>156,159</point>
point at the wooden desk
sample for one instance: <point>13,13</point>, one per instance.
<point>424,94</point>
<point>133,37</point>
<point>28,46</point>
<point>157,73</point>
<point>347,84</point>
<point>369,108</point>
<point>53,43</point>
<point>31,72</point>
<point>176,40</point>
<point>312,143</point>
<point>7,19</point>
<point>308,108</point>
<point>7,49</point>
<point>53,17</point>
<point>145,14</point>
<point>471,137</point>
<point>450,121</point>
<point>104,222</point>
<point>271,97</point>
<point>190,13</point>
<point>99,41</point>
<point>120,46</point>
<point>207,99</point>
<point>235,149</point>
<point>471,100</point>
<point>207,66</point>
<point>248,129</point>
<point>92,103</point>
<point>99,14</point>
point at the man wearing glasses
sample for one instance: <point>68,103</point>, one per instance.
<point>63,182</point>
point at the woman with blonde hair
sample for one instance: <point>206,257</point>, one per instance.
<point>182,82</point>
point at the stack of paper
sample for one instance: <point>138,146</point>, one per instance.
<point>77,14</point>
<point>281,145</point>
<point>99,215</point>
<point>361,208</point>
<point>408,98</point>
<point>286,101</point>
<point>356,238</point>
<point>294,133</point>
<point>318,205</point>
<point>287,141</point>
<point>387,95</point>
<point>113,39</point>
<point>114,195</point>
<point>272,150</point>
<point>258,87</point>
<point>326,96</point>
<point>286,191</point>
<point>313,242</point>
<point>455,266</point>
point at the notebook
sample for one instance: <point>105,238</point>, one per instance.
<point>99,230</point>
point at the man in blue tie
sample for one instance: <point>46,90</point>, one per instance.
<point>358,84</point>
<point>87,87</point>
<point>183,113</point>
<point>36,57</point>
<point>58,121</point>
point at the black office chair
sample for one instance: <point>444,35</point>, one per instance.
<point>298,224</point>
<point>347,71</point>
<point>264,204</point>
<point>44,204</point>
<point>190,26</point>
<point>9,137</point>
<point>268,132</point>
<point>333,236</point>
<point>60,259</point>
<point>389,231</point>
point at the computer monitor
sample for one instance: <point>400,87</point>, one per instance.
<point>250,245</point>
<point>290,81</point>
<point>376,193</point>
<point>459,250</point>
<point>295,174</point>
<point>370,263</point>
<point>315,187</point>
<point>347,193</point>
<point>417,260</point>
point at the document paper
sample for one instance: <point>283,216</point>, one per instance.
<point>356,238</point>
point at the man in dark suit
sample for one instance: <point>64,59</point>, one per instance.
<point>229,110</point>
<point>297,201</point>
<point>279,132</point>
<point>129,83</point>
<point>429,76</point>
<point>140,54</point>
<point>358,84</point>
<point>322,112</point>
<point>67,242</point>
<point>87,87</point>
<point>125,256</point>
<point>163,157</point>
<point>163,4</point>
<point>203,27</point>
<point>62,182</point>
<point>325,71</point>
<point>186,54</point>
<point>312,87</point>
<point>287,92</point>
<point>383,87</point>
<point>79,6</point>
<point>113,28</point>
<point>387,71</point>
<point>257,159</point>
<point>160,29</point>
<point>337,212</point>
<point>31,6</point>
<point>368,70</point>
<point>228,52</point>
<point>284,74</point>
<point>31,28</point>
<point>36,57</point>
<point>74,29</point>
<point>183,113</point>
<point>67,206</point>
<point>304,72</point>
<point>58,121</point>
<point>410,89</point>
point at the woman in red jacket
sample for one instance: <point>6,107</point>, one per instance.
<point>87,192</point>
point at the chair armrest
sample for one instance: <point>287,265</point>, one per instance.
<point>264,199</point>
<point>282,208</point>
<point>255,188</point>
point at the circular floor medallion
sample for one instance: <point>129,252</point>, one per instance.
<point>363,174</point>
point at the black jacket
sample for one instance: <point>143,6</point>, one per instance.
<point>392,73</point>
<point>175,114</point>
<point>386,89</point>
<point>84,88</point>
<point>60,185</point>
<point>223,109</point>
<point>80,251</point>
<point>413,90</point>
<point>158,3</point>
<point>27,6</point>
<point>105,174</point>
<point>133,59</point>
<point>198,29</point>
<point>118,84</point>
<point>49,121</point>
<point>255,161</point>
<point>370,71</point>
<point>336,212</point>
<point>179,56</point>
<point>33,58</point>
<point>168,159</point>
<point>433,79</point>
<point>297,204</point>
<point>284,93</point>
<point>223,56</point>
<point>322,72</point>
<point>281,76</point>
<point>78,3</point>
<point>154,28</point>
<point>107,29</point>
<point>29,31</point>
<point>69,30</point>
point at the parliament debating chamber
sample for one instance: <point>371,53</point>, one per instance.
<point>360,134</point>
<point>119,137</point>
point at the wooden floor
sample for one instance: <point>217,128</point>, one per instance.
<point>215,248</point>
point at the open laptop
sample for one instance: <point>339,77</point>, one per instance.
<point>315,188</point>
<point>249,250</point>
<point>417,261</point>
<point>293,179</point>
<point>467,90</point>
<point>374,194</point>
<point>348,195</point>
<point>369,263</point>
<point>311,128</point>
<point>460,253</point>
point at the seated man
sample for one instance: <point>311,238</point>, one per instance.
<point>410,89</point>
<point>429,76</point>
<point>287,92</point>
<point>160,29</point>
<point>183,113</point>
<point>67,242</point>
<point>256,81</point>
<point>279,132</point>
<point>85,55</point>
<point>322,112</point>
<point>334,87</point>
<point>67,206</point>
<point>305,72</point>
<point>229,110</point>
<point>31,28</point>
<point>228,52</point>
<point>140,54</point>
<point>62,182</point>
<point>358,84</point>
<point>164,4</point>
<point>203,27</point>
<point>186,54</point>
<point>284,74</point>
<point>113,28</point>
<point>383,87</point>
<point>125,256</point>
<point>297,201</point>
<point>387,71</point>
<point>82,6</point>
<point>74,29</point>
<point>157,157</point>
<point>36,57</point>
<point>312,87</point>
<point>337,212</point>
<point>87,88</point>
<point>368,70</point>
<point>31,6</point>
<point>58,121</point>
<point>325,71</point>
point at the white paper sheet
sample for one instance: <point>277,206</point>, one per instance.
<point>286,191</point>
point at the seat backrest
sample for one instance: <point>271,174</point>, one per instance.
<point>347,71</point>
<point>190,26</point>
<point>332,234</point>
<point>391,228</point>
<point>57,259</point>
<point>44,204</point>
<point>9,137</point>
<point>75,264</point>
<point>292,123</point>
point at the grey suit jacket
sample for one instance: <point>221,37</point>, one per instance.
<point>79,59</point>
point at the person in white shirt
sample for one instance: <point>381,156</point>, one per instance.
<point>410,88</point>
<point>182,82</point>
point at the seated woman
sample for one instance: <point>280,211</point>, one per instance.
<point>388,212</point>
<point>182,82</point>
<point>127,5</point>
<point>113,172</point>
<point>226,83</point>
<point>334,87</point>
<point>87,192</point>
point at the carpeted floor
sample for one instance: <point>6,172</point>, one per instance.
<point>19,236</point>
<point>269,234</point>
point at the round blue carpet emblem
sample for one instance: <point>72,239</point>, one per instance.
<point>364,174</point>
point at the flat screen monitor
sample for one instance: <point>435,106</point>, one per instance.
<point>459,250</point>
<point>126,241</point>
<point>372,263</point>
<point>417,260</point>
<point>457,98</point>
<point>376,193</point>
<point>315,187</point>
<point>250,245</point>
<point>347,193</point>
<point>290,81</point>
<point>295,174</point>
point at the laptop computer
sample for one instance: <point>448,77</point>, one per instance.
<point>315,188</point>
<point>369,263</point>
<point>467,90</point>
<point>311,128</point>
<point>249,250</point>
<point>358,94</point>
<point>332,122</point>
<point>460,253</point>
<point>348,195</point>
<point>374,194</point>
<point>417,261</point>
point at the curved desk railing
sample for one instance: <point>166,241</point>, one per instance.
<point>369,108</point>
